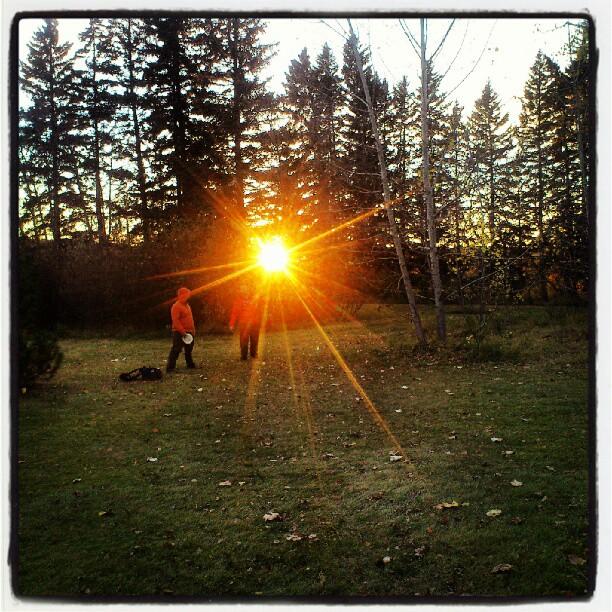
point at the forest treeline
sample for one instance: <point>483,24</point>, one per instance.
<point>143,145</point>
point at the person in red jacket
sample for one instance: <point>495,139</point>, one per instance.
<point>182,324</point>
<point>247,316</point>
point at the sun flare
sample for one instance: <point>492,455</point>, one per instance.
<point>273,255</point>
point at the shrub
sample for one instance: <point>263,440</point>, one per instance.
<point>39,353</point>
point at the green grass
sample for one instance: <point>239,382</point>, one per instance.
<point>170,529</point>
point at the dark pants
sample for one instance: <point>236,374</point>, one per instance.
<point>249,334</point>
<point>177,346</point>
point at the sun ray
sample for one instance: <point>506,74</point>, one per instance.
<point>197,270</point>
<point>374,412</point>
<point>256,365</point>
<point>337,228</point>
<point>378,208</point>
<point>334,307</point>
<point>305,404</point>
<point>217,282</point>
<point>222,207</point>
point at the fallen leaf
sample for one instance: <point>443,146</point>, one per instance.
<point>272,516</point>
<point>418,552</point>
<point>501,568</point>
<point>494,512</point>
<point>241,482</point>
<point>393,458</point>
<point>200,389</point>
<point>167,414</point>
<point>386,560</point>
<point>575,560</point>
<point>516,483</point>
<point>313,537</point>
<point>496,439</point>
<point>75,480</point>
<point>105,513</point>
<point>550,468</point>
<point>152,459</point>
<point>508,452</point>
<point>155,430</point>
<point>225,483</point>
<point>294,537</point>
<point>443,505</point>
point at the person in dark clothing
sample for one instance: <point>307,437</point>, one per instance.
<point>183,330</point>
<point>246,316</point>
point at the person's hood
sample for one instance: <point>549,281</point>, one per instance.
<point>183,294</point>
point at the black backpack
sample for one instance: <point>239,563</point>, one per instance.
<point>144,373</point>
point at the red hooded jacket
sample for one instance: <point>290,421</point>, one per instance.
<point>182,318</point>
<point>246,312</point>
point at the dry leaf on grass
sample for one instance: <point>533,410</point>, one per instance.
<point>575,560</point>
<point>225,483</point>
<point>516,483</point>
<point>443,505</point>
<point>494,512</point>
<point>152,459</point>
<point>496,439</point>
<point>293,537</point>
<point>393,458</point>
<point>386,560</point>
<point>501,568</point>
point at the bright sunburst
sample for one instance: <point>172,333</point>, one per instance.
<point>273,255</point>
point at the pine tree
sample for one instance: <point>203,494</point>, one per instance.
<point>47,78</point>
<point>360,172</point>
<point>327,105</point>
<point>491,144</point>
<point>537,122</point>
<point>183,118</point>
<point>97,98</point>
<point>130,41</point>
<point>246,99</point>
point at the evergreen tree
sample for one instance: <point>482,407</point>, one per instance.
<point>47,78</point>
<point>245,97</point>
<point>130,41</point>
<point>491,144</point>
<point>327,105</point>
<point>97,99</point>
<point>183,123</point>
<point>537,122</point>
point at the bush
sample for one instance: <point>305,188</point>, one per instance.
<point>39,353</point>
<point>39,356</point>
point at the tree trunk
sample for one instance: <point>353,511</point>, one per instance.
<point>236,127</point>
<point>416,319</point>
<point>82,200</point>
<point>431,213</point>
<point>99,195</point>
<point>142,186</point>
<point>54,186</point>
<point>540,206</point>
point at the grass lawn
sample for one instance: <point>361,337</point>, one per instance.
<point>98,517</point>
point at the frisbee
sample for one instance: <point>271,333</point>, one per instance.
<point>187,338</point>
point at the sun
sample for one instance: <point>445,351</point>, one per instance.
<point>273,255</point>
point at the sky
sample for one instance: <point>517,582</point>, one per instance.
<point>501,49</point>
